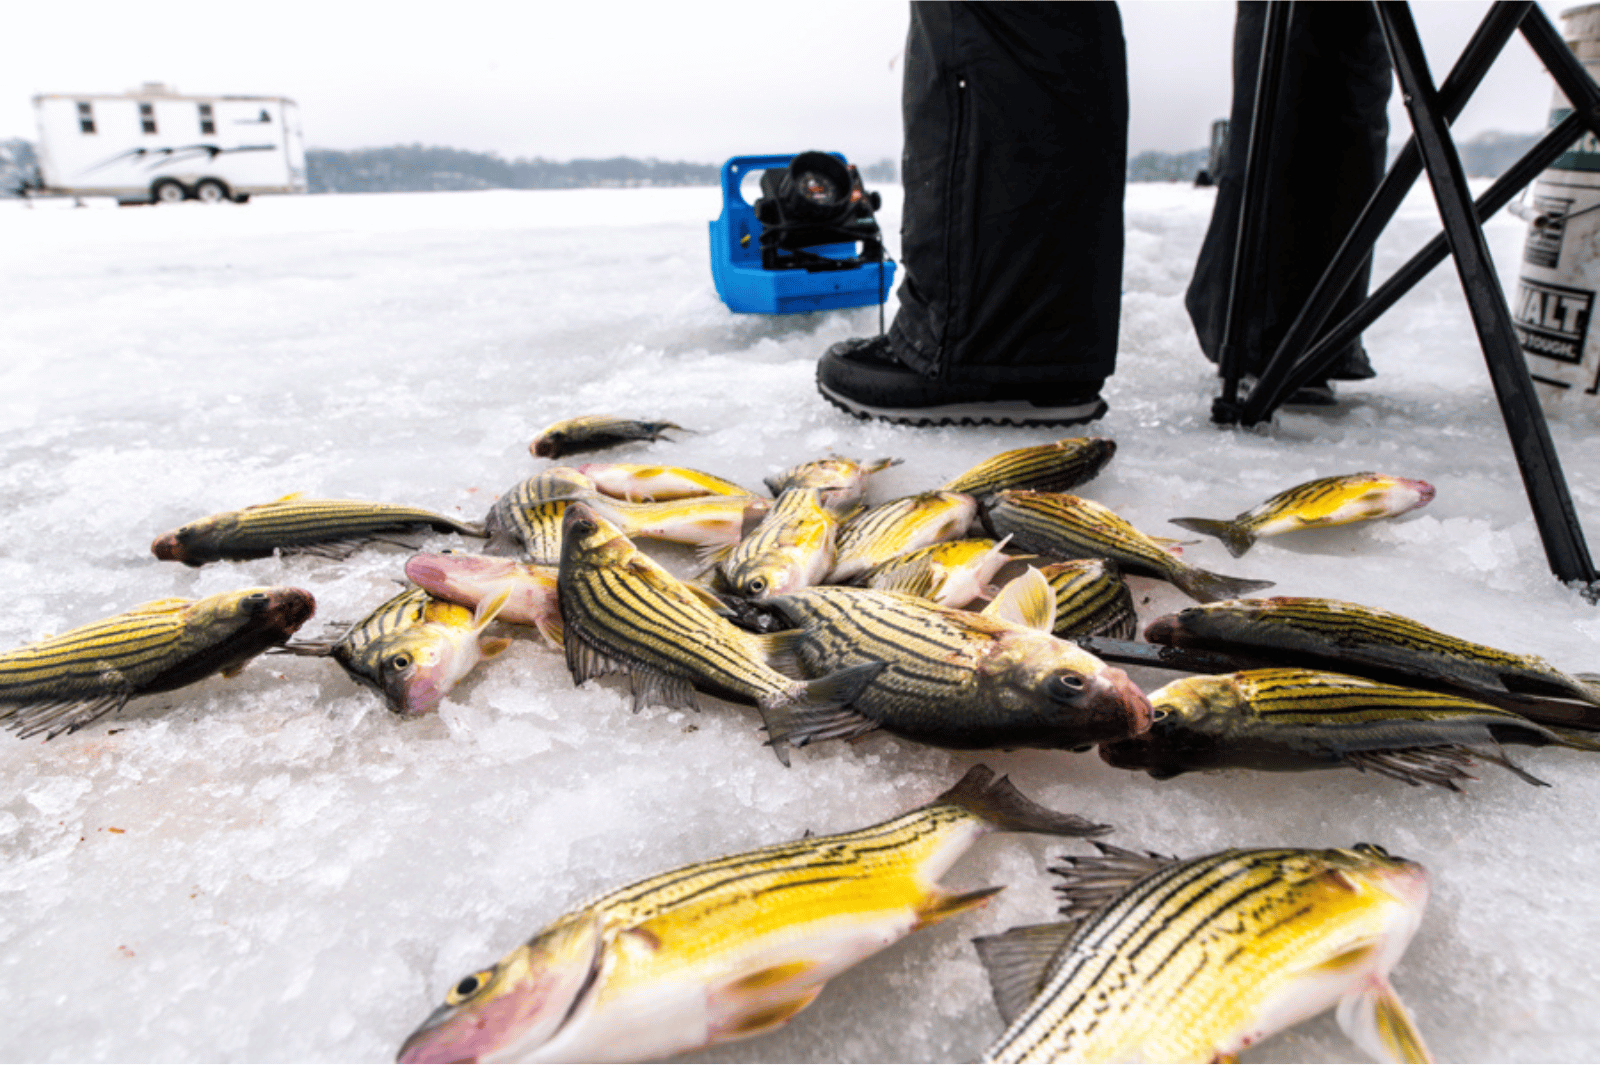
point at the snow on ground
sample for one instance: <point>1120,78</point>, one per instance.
<point>275,868</point>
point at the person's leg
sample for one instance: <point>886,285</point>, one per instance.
<point>1329,143</point>
<point>1014,166</point>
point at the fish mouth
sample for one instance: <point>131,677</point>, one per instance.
<point>1135,704</point>
<point>168,548</point>
<point>288,609</point>
<point>1424,492</point>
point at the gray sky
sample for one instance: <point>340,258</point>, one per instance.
<point>695,79</point>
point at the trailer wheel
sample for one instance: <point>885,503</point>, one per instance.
<point>211,190</point>
<point>168,191</point>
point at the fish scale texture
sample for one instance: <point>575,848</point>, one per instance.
<point>275,867</point>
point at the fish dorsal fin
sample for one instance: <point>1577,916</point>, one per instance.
<point>1373,1016</point>
<point>1029,600</point>
<point>918,578</point>
<point>1020,962</point>
<point>996,801</point>
<point>1088,885</point>
<point>161,606</point>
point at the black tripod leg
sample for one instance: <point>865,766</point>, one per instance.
<point>1530,437</point>
<point>1252,207</point>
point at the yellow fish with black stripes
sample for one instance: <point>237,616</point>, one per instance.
<point>68,681</point>
<point>728,948</point>
<point>332,528</point>
<point>1167,960</point>
<point>1327,501</point>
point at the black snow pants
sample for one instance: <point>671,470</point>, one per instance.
<point>1329,138</point>
<point>1016,129</point>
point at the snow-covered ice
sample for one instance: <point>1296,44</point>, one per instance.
<point>276,868</point>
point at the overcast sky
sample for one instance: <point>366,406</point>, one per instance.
<point>695,80</point>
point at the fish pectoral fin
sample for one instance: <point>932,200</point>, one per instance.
<point>763,1018</point>
<point>770,977</point>
<point>1029,600</point>
<point>493,646</point>
<point>553,629</point>
<point>1379,1023</point>
<point>651,687</point>
<point>234,671</point>
<point>1019,962</point>
<point>943,904</point>
<point>491,605</point>
<point>1352,957</point>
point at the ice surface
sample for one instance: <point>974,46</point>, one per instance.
<point>276,868</point>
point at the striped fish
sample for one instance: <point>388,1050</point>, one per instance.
<point>623,612</point>
<point>333,528</point>
<point>654,484</point>
<point>1355,638</point>
<point>468,580</point>
<point>1058,467</point>
<point>414,648</point>
<point>1291,719</point>
<point>954,678</point>
<point>526,520</point>
<point>1066,526</point>
<point>1092,599</point>
<point>66,682</point>
<point>842,482</point>
<point>1193,961</point>
<point>792,548</point>
<point>728,948</point>
<point>595,432</point>
<point>874,536</point>
<point>952,573</point>
<point>1324,502</point>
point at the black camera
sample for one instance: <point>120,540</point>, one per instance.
<point>817,202</point>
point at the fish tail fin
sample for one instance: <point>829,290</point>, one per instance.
<point>942,904</point>
<point>1235,537</point>
<point>817,710</point>
<point>997,802</point>
<point>1207,587</point>
<point>1379,1023</point>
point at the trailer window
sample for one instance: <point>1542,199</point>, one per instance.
<point>85,117</point>
<point>208,124</point>
<point>147,117</point>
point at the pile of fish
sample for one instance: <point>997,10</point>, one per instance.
<point>832,618</point>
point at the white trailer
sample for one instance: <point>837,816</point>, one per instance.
<point>155,146</point>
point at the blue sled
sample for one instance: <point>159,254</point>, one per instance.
<point>748,289</point>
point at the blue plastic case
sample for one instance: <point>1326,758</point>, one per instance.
<point>747,288</point>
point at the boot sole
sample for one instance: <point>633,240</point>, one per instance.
<point>998,412</point>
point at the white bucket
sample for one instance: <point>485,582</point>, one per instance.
<point>1561,260</point>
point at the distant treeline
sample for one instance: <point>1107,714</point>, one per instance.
<point>415,168</point>
<point>1487,155</point>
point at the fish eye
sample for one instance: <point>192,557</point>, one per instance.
<point>1159,713</point>
<point>1065,686</point>
<point>584,526</point>
<point>469,986</point>
<point>254,601</point>
<point>756,585</point>
<point>400,661</point>
<point>1372,849</point>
